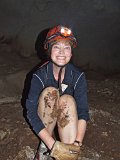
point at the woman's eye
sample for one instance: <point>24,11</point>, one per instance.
<point>67,47</point>
<point>56,47</point>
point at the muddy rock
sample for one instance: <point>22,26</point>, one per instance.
<point>26,153</point>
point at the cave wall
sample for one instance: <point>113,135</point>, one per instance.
<point>96,24</point>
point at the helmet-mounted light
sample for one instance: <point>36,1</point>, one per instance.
<point>60,32</point>
<point>65,31</point>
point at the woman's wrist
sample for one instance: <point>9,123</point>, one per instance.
<point>46,138</point>
<point>51,143</point>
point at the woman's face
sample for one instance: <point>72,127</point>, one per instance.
<point>61,53</point>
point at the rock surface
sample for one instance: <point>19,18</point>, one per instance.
<point>96,24</point>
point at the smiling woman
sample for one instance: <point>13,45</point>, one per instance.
<point>61,53</point>
<point>58,96</point>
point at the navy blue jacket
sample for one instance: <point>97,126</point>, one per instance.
<point>42,78</point>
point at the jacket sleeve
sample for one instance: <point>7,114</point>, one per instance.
<point>80,95</point>
<point>32,103</point>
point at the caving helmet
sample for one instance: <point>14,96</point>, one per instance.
<point>57,33</point>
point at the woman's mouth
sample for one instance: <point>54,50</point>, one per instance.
<point>61,58</point>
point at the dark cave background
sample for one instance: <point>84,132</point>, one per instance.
<point>96,24</point>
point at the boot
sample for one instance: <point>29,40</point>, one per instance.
<point>42,153</point>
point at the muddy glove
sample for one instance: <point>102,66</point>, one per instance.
<point>61,151</point>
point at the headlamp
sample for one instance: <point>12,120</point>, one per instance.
<point>65,31</point>
<point>59,32</point>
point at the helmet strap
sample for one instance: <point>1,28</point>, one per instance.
<point>59,81</point>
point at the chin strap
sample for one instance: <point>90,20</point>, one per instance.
<point>59,81</point>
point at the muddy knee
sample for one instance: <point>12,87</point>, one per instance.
<point>67,110</point>
<point>67,99</point>
<point>48,102</point>
<point>68,119</point>
<point>49,91</point>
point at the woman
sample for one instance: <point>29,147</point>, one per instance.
<point>58,93</point>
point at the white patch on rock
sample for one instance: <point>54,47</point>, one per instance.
<point>27,153</point>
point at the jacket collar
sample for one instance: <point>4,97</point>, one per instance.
<point>68,73</point>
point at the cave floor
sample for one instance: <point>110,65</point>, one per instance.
<point>102,140</point>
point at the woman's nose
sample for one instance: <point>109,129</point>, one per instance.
<point>61,51</point>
